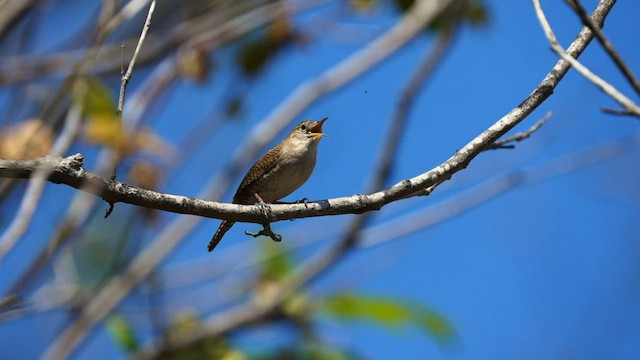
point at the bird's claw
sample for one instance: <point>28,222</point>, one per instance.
<point>266,209</point>
<point>304,201</point>
<point>266,231</point>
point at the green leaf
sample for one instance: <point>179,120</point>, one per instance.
<point>94,97</point>
<point>389,313</point>
<point>433,323</point>
<point>305,351</point>
<point>277,262</point>
<point>122,333</point>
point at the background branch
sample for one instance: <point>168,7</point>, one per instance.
<point>630,107</point>
<point>608,46</point>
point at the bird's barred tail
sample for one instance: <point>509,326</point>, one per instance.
<point>222,229</point>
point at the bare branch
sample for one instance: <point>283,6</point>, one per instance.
<point>506,143</point>
<point>500,184</point>
<point>607,88</point>
<point>11,13</point>
<point>622,112</point>
<point>608,46</point>
<point>127,76</point>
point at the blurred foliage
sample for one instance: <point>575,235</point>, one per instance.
<point>215,348</point>
<point>306,351</point>
<point>99,253</point>
<point>104,128</point>
<point>146,140</point>
<point>388,312</point>
<point>276,260</point>
<point>94,97</point>
<point>122,333</point>
<point>98,106</point>
<point>474,12</point>
<point>258,49</point>
<point>234,107</point>
<point>26,140</point>
<point>144,174</point>
<point>194,64</point>
<point>363,6</point>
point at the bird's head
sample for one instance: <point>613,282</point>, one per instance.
<point>309,130</point>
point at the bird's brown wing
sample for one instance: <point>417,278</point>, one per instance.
<point>245,194</point>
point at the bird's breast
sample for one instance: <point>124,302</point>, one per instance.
<point>292,171</point>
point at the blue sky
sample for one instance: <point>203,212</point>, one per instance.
<point>546,270</point>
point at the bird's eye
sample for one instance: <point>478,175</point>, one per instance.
<point>303,127</point>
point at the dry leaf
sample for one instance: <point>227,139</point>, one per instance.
<point>145,175</point>
<point>26,140</point>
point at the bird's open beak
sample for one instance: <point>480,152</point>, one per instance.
<point>317,129</point>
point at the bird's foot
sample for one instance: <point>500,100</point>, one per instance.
<point>304,201</point>
<point>266,210</point>
<point>266,231</point>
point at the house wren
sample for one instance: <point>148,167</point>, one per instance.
<point>279,172</point>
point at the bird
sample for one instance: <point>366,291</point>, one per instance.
<point>278,173</point>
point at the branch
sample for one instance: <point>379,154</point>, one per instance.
<point>249,312</point>
<point>497,185</point>
<point>506,143</point>
<point>608,46</point>
<point>12,12</point>
<point>608,89</point>
<point>127,76</point>
<point>69,171</point>
<point>197,32</point>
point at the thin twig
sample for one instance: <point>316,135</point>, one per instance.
<point>127,76</point>
<point>607,88</point>
<point>506,143</point>
<point>124,81</point>
<point>500,184</point>
<point>608,46</point>
<point>615,111</point>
